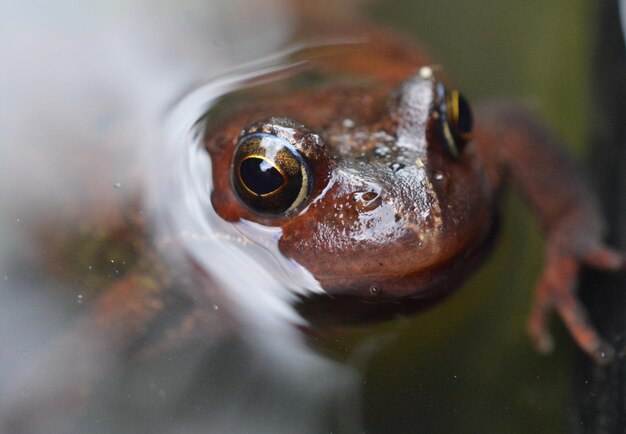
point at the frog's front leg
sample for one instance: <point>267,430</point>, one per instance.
<point>516,146</point>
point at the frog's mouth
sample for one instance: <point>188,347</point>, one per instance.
<point>321,310</point>
<point>416,282</point>
<point>365,299</point>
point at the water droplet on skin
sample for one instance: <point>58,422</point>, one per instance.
<point>382,151</point>
<point>383,136</point>
<point>117,185</point>
<point>79,298</point>
<point>348,123</point>
<point>426,72</point>
<point>216,307</point>
<point>438,176</point>
<point>396,166</point>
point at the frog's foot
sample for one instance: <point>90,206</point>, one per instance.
<point>556,290</point>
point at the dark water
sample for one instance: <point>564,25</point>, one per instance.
<point>99,120</point>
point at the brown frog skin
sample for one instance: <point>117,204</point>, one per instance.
<point>398,205</point>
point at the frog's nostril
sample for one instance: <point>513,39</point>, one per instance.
<point>367,200</point>
<point>369,196</point>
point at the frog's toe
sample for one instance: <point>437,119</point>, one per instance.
<point>537,328</point>
<point>605,258</point>
<point>556,290</point>
<point>582,330</point>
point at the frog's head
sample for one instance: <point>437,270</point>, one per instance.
<point>375,190</point>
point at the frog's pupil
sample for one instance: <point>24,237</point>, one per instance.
<point>260,176</point>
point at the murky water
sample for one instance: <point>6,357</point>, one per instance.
<point>101,124</point>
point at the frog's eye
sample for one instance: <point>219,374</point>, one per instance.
<point>456,119</point>
<point>269,174</point>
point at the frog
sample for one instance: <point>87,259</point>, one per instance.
<point>386,187</point>
<point>381,182</point>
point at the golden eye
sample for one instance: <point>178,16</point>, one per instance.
<point>269,174</point>
<point>457,120</point>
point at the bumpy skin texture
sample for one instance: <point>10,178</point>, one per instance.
<point>393,216</point>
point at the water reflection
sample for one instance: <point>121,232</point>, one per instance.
<point>247,279</point>
<point>105,192</point>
